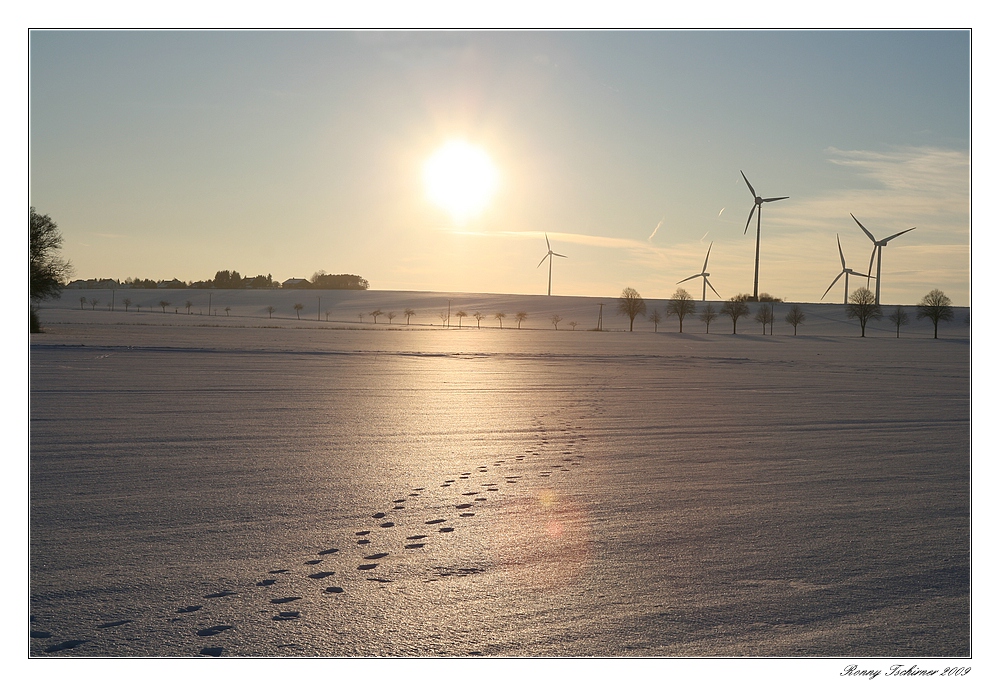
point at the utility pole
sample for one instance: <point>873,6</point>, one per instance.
<point>600,317</point>
<point>209,303</point>
<point>318,307</point>
<point>449,314</point>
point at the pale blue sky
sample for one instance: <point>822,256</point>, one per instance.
<point>167,154</point>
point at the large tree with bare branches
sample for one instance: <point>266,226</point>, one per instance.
<point>631,305</point>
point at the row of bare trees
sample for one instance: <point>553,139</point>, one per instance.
<point>935,306</point>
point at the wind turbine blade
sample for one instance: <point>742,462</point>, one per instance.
<point>547,244</point>
<point>705,268</point>
<point>895,235</point>
<point>771,200</point>
<point>831,286</point>
<point>749,218</point>
<point>867,233</point>
<point>858,274</point>
<point>543,260</point>
<point>712,287</point>
<point>843,263</point>
<point>871,261</point>
<point>748,183</point>
<point>559,255</point>
<point>689,278</point>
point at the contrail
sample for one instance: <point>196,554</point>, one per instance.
<point>658,225</point>
<point>721,211</point>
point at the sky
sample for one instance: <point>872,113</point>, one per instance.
<point>173,154</point>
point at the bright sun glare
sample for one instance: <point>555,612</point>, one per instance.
<point>460,178</point>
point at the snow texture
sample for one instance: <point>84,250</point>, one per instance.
<point>239,485</point>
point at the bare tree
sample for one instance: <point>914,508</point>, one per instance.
<point>936,307</point>
<point>361,317</point>
<point>861,306</point>
<point>126,302</point>
<point>375,313</point>
<point>227,309</point>
<point>500,316</point>
<point>188,304</point>
<point>389,316</point>
<point>764,315</point>
<point>444,317</point>
<point>735,308</point>
<point>270,311</point>
<point>655,317</point>
<point>573,325</point>
<point>93,303</point>
<point>795,317</point>
<point>631,304</point>
<point>460,314</point>
<point>163,305</point>
<point>899,317</point>
<point>479,318</point>
<point>707,315</point>
<point>520,317</point>
<point>556,319</point>
<point>680,304</point>
<point>409,312</point>
<point>83,300</point>
<point>327,313</point>
<point>298,308</point>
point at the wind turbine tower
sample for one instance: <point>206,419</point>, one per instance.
<point>844,272</point>
<point>548,256</point>
<point>877,247</point>
<point>757,202</point>
<point>704,274</point>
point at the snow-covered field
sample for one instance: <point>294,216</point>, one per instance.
<point>225,483</point>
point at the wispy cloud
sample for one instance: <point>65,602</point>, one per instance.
<point>922,186</point>
<point>582,239</point>
<point>656,229</point>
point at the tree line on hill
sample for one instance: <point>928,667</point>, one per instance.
<point>231,279</point>
<point>935,306</point>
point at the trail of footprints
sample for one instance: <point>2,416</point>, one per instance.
<point>512,473</point>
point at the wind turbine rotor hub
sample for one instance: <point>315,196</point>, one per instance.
<point>758,200</point>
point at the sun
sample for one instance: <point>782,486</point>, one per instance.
<point>461,178</point>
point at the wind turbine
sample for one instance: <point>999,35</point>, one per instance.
<point>757,201</point>
<point>704,275</point>
<point>844,272</point>
<point>548,256</point>
<point>877,248</point>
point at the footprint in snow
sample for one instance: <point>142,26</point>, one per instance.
<point>368,566</point>
<point>419,536</point>
<point>447,529</point>
<point>378,516</point>
<point>435,521</point>
<point>328,552</point>
<point>315,561</point>
<point>266,583</point>
<point>334,590</point>
<point>320,575</point>
<point>285,599</point>
<point>114,623</point>
<point>376,556</point>
<point>413,546</point>
<point>388,524</point>
<point>189,609</point>
<point>39,634</point>
<point>62,646</point>
<point>286,615</point>
<point>364,541</point>
<point>214,630</point>
<point>219,595</point>
<point>215,651</point>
